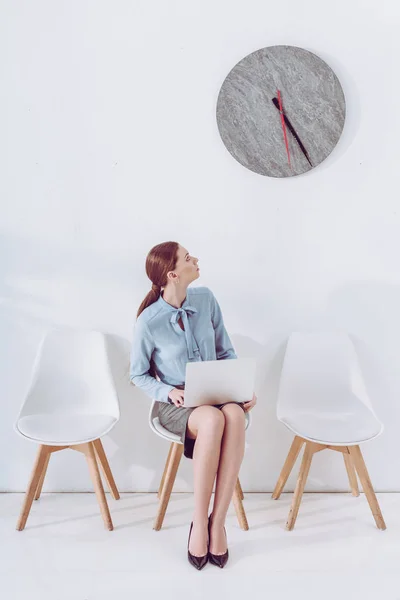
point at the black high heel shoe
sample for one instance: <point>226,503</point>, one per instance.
<point>219,560</point>
<point>197,561</point>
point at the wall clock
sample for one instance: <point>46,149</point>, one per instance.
<point>281,111</point>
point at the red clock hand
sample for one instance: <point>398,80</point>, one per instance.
<point>283,126</point>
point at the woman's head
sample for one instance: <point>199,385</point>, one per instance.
<point>168,264</point>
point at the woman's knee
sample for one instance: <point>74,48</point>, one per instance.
<point>233,413</point>
<point>208,419</point>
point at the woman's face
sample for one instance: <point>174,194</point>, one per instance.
<point>187,269</point>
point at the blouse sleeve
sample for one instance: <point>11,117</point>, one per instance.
<point>142,349</point>
<point>223,344</point>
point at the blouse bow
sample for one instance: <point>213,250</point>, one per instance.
<point>190,340</point>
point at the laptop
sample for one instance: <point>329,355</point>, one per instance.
<point>219,381</point>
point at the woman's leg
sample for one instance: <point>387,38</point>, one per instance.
<point>205,425</point>
<point>232,451</point>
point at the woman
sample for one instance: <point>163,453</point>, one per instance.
<point>176,325</point>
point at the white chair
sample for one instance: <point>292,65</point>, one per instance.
<point>171,469</point>
<point>323,401</point>
<point>71,402</point>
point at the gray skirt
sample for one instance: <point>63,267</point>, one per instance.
<point>175,419</point>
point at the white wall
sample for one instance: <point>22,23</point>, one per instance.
<point>110,146</point>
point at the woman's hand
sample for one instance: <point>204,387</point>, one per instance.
<point>177,396</point>
<point>251,404</point>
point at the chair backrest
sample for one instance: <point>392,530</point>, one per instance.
<point>153,414</point>
<point>320,372</point>
<point>72,375</point>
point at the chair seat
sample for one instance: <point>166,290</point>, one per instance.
<point>164,432</point>
<point>65,429</point>
<point>334,428</point>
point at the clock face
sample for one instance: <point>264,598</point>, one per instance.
<point>281,111</point>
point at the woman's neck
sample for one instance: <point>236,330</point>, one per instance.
<point>175,296</point>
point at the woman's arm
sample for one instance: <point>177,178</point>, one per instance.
<point>142,349</point>
<point>223,345</point>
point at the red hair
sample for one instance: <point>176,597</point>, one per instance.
<point>160,260</point>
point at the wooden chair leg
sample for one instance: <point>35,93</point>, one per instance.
<point>361,469</point>
<point>165,470</point>
<point>238,504</point>
<point>301,482</point>
<point>288,466</point>
<point>89,452</point>
<point>351,473</point>
<point>108,476</point>
<point>41,460</point>
<point>42,476</point>
<point>240,489</point>
<point>170,476</point>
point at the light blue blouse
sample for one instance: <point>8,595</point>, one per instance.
<point>158,339</point>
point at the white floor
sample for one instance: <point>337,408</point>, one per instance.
<point>64,552</point>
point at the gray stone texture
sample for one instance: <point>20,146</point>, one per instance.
<point>250,125</point>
